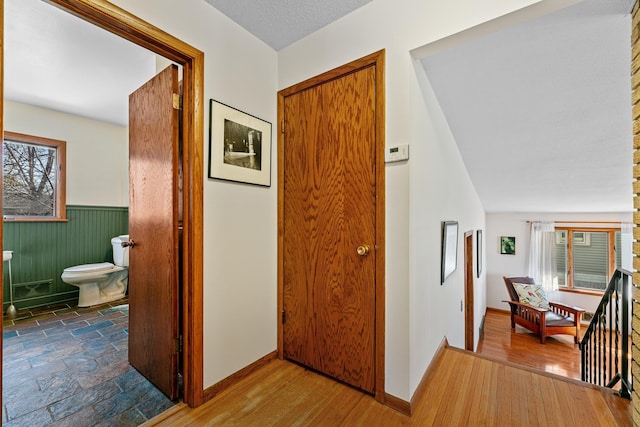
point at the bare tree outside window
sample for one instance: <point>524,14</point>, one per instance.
<point>32,177</point>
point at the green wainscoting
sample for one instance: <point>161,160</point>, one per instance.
<point>42,250</point>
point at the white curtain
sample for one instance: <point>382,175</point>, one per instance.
<point>542,255</point>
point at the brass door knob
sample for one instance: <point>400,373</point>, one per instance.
<point>363,250</point>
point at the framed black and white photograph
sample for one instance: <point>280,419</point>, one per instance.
<point>479,253</point>
<point>239,146</point>
<point>449,249</point>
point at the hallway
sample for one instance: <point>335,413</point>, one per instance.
<point>69,367</point>
<point>495,387</point>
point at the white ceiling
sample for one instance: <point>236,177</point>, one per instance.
<point>540,112</point>
<point>55,60</point>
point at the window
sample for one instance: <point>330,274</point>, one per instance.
<point>33,180</point>
<point>587,257</point>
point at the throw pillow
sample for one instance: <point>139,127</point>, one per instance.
<point>532,294</point>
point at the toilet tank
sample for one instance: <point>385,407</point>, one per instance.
<point>120,254</point>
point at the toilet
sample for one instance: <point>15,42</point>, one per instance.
<point>101,282</point>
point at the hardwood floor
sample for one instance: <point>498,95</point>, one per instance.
<point>558,356</point>
<point>462,389</point>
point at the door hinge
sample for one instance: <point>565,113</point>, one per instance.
<point>177,101</point>
<point>282,126</point>
<point>177,344</point>
<point>284,316</point>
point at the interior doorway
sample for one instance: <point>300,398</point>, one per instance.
<point>331,211</point>
<point>469,337</point>
<point>129,27</point>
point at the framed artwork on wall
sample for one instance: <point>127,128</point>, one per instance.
<point>239,146</point>
<point>449,249</point>
<point>507,245</point>
<point>479,253</point>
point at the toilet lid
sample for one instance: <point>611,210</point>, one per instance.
<point>90,268</point>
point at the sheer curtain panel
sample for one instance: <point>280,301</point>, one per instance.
<point>542,257</point>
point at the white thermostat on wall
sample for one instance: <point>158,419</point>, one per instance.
<point>396,153</point>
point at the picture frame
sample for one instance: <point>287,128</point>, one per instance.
<point>507,245</point>
<point>449,249</point>
<point>478,253</point>
<point>239,146</point>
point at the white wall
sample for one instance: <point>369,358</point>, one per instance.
<point>240,221</point>
<point>97,152</point>
<point>431,187</point>
<point>515,224</point>
<point>440,190</point>
<point>240,283</point>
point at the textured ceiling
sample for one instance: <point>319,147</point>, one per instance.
<point>281,22</point>
<point>541,111</point>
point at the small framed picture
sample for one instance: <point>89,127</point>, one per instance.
<point>479,253</point>
<point>239,146</point>
<point>449,249</point>
<point>507,245</point>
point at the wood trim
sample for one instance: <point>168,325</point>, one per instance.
<point>61,177</point>
<point>379,58</point>
<point>128,26</point>
<point>33,219</point>
<point>398,404</point>
<point>498,310</point>
<point>581,291</point>
<point>428,374</point>
<point>469,300</point>
<point>611,241</point>
<point>376,59</point>
<point>236,377</point>
<point>280,262</point>
<point>123,24</point>
<point>611,235</point>
<point>372,59</point>
<point>193,231</point>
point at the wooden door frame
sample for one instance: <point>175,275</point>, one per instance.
<point>120,22</point>
<point>377,60</point>
<point>468,291</point>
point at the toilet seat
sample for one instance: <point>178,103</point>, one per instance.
<point>101,282</point>
<point>88,269</point>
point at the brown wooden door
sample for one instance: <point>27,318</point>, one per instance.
<point>329,212</point>
<point>153,227</point>
<point>468,291</point>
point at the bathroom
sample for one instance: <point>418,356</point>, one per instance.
<point>51,96</point>
<point>96,209</point>
<point>97,200</point>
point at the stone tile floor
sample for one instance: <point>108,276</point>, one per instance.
<point>67,366</point>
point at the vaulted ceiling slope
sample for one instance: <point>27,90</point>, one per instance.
<point>541,111</point>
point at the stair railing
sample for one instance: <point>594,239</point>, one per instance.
<point>605,346</point>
